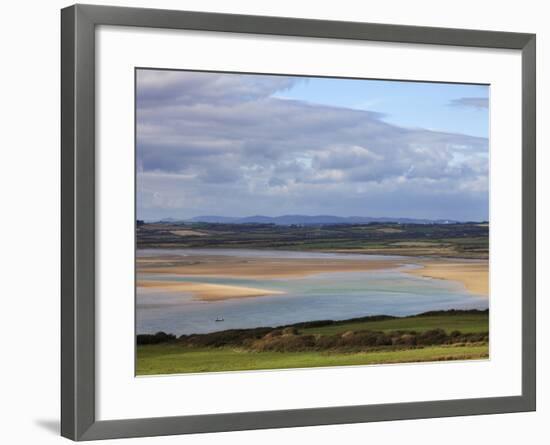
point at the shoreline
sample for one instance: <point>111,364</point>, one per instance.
<point>447,314</point>
<point>390,253</point>
<point>472,274</point>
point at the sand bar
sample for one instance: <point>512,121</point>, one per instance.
<point>473,275</point>
<point>206,291</point>
<point>188,233</point>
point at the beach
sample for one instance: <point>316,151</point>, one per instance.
<point>473,275</point>
<point>241,267</point>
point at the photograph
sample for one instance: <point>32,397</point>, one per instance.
<point>290,221</point>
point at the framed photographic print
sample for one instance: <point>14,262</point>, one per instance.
<point>272,222</point>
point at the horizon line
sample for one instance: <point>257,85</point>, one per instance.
<point>318,215</point>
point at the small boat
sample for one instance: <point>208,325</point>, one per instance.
<point>219,319</point>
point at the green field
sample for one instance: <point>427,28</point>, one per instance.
<point>460,240</point>
<point>463,323</point>
<point>180,356</point>
<point>174,359</point>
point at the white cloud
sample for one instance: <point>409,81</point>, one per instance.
<point>237,150</point>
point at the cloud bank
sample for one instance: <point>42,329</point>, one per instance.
<point>211,143</point>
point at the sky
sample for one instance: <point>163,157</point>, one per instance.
<point>241,145</point>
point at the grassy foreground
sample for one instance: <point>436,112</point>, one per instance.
<point>174,359</point>
<point>188,354</point>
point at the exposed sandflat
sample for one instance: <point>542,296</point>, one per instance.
<point>206,291</point>
<point>188,232</point>
<point>473,275</point>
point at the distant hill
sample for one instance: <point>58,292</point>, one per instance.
<point>170,220</point>
<point>287,220</point>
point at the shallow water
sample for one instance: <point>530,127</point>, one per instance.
<point>335,296</point>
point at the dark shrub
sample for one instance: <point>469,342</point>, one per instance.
<point>275,333</point>
<point>452,312</point>
<point>383,340</point>
<point>153,339</point>
<point>364,339</point>
<point>232,337</point>
<point>359,339</point>
<point>405,340</point>
<point>325,342</point>
<point>474,338</point>
<point>432,337</point>
<point>314,324</point>
<point>285,343</point>
<point>348,334</point>
<point>290,331</point>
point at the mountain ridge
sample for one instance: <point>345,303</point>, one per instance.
<point>287,220</point>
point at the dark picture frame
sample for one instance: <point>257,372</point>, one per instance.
<point>78,24</point>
